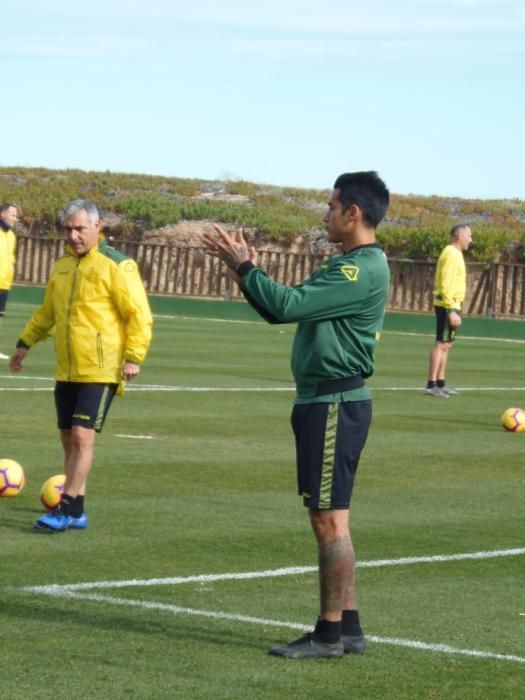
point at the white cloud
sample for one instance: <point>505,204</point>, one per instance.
<point>101,47</point>
<point>271,29</point>
<point>319,16</point>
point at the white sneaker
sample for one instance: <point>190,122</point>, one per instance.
<point>436,391</point>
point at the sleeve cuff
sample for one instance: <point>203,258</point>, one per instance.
<point>244,268</point>
<point>20,344</point>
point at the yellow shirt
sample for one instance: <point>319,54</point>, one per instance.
<point>7,258</point>
<point>451,279</point>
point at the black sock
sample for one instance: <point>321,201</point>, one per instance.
<point>350,623</point>
<point>77,507</point>
<point>440,383</point>
<point>328,632</point>
<point>431,384</point>
<point>66,503</point>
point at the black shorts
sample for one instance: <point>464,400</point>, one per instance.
<point>83,404</point>
<point>329,438</point>
<point>4,293</point>
<point>444,332</point>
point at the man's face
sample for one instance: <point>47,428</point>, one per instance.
<point>335,220</point>
<point>465,237</point>
<point>81,232</point>
<point>9,216</point>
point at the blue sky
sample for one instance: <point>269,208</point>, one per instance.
<point>289,92</point>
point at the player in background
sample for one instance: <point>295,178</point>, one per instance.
<point>8,219</point>
<point>449,293</point>
<point>339,312</point>
<point>96,307</point>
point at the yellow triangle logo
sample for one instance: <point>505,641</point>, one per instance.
<point>351,272</point>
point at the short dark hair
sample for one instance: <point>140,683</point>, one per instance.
<point>367,191</point>
<point>457,228</point>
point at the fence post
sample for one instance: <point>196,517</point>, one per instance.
<point>492,286</point>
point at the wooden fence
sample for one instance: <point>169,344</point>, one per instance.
<point>494,290</point>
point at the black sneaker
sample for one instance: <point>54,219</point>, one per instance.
<point>353,643</point>
<point>309,647</point>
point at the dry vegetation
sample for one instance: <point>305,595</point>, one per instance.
<point>145,207</point>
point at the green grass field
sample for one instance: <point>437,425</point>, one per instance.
<point>194,484</point>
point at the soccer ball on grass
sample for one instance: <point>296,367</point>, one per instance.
<point>51,491</point>
<point>12,477</point>
<point>513,420</point>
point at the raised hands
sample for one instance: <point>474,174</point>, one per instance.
<point>232,250</point>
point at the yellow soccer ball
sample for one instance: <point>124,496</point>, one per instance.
<point>513,420</point>
<point>12,478</point>
<point>51,491</point>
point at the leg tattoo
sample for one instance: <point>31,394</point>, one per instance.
<point>336,562</point>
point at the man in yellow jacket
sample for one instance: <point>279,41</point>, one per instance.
<point>449,293</point>
<point>8,218</point>
<point>96,307</point>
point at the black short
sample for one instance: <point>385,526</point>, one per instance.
<point>329,438</point>
<point>444,332</point>
<point>4,293</point>
<point>83,404</point>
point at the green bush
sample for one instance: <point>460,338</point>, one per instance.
<point>489,243</point>
<point>416,227</point>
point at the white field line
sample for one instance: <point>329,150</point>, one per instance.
<point>71,592</point>
<point>463,337</point>
<point>197,389</point>
<point>32,389</point>
<point>205,389</point>
<point>167,388</point>
<point>135,437</point>
<point>258,321</point>
<point>462,389</point>
<point>27,379</point>
<point>219,615</point>
<point>172,317</point>
<point>52,589</point>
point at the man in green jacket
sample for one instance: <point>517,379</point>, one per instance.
<point>340,312</point>
<point>96,307</point>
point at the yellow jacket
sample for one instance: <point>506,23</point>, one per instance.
<point>97,308</point>
<point>7,258</point>
<point>451,279</point>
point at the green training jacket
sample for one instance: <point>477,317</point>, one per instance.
<point>339,311</point>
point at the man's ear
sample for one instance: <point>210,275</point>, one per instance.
<point>352,213</point>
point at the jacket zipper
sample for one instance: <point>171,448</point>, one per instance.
<point>100,351</point>
<point>68,319</point>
